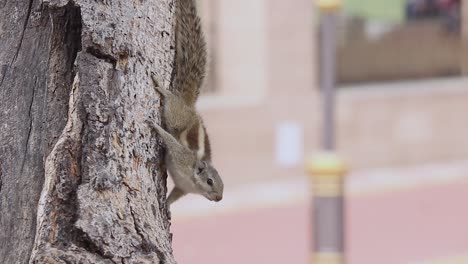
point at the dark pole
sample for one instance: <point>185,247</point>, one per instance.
<point>328,70</point>
<point>327,170</point>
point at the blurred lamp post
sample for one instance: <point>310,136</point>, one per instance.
<point>328,21</point>
<point>327,169</point>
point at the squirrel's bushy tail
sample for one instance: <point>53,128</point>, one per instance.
<point>190,54</point>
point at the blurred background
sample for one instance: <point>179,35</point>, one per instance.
<point>401,126</point>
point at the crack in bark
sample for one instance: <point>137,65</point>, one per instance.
<point>28,14</point>
<point>137,228</point>
<point>4,75</point>
<point>30,127</point>
<point>130,189</point>
<point>146,246</point>
<point>96,52</point>
<point>64,44</point>
<point>1,182</point>
<point>87,243</point>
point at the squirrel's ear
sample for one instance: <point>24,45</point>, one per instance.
<point>200,168</point>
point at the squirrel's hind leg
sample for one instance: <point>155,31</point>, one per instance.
<point>158,88</point>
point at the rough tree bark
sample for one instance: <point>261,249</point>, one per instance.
<point>80,174</point>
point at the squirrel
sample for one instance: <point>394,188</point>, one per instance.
<point>190,174</point>
<point>188,156</point>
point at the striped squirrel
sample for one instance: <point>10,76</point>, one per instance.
<point>188,156</point>
<point>189,173</point>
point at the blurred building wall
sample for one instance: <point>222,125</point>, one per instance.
<point>413,50</point>
<point>403,124</point>
<point>465,37</point>
<point>266,76</point>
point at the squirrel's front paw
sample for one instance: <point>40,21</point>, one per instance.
<point>155,79</point>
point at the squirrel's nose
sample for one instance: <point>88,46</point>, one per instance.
<point>218,198</point>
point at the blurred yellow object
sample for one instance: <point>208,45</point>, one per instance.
<point>327,171</point>
<point>328,258</point>
<point>329,5</point>
<point>326,163</point>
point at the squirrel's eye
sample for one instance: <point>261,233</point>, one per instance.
<point>210,182</point>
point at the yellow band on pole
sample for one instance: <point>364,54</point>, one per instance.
<point>327,186</point>
<point>329,5</point>
<point>326,164</point>
<point>327,258</point>
<point>327,173</point>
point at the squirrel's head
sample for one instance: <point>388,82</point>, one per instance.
<point>208,181</point>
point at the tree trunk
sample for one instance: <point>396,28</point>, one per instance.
<point>81,179</point>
